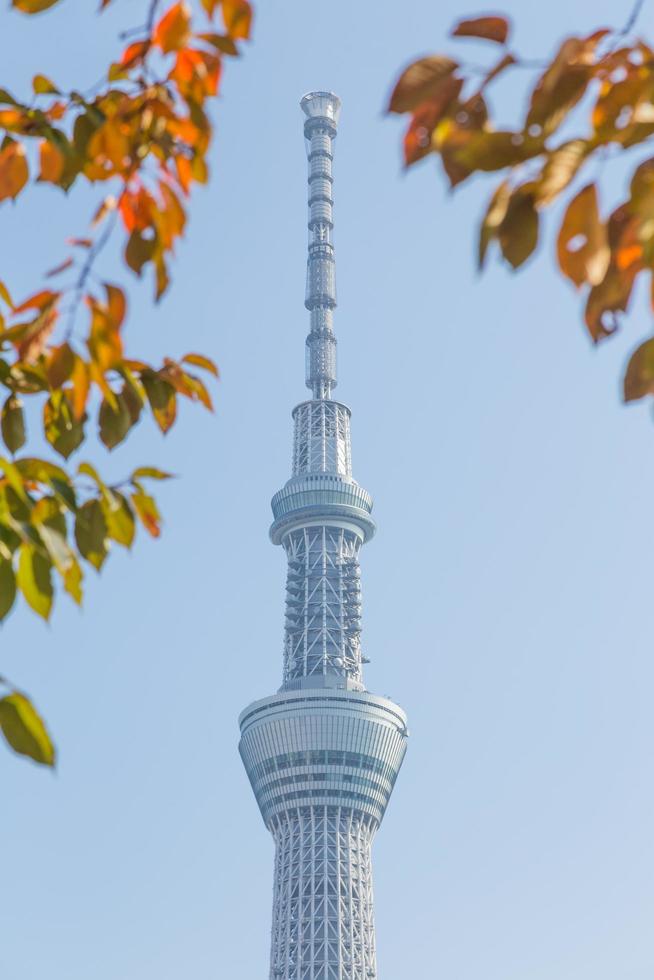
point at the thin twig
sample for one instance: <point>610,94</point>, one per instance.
<point>633,18</point>
<point>85,272</point>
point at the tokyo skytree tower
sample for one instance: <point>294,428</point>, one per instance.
<point>323,753</point>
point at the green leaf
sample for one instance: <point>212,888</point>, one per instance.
<point>119,517</point>
<point>114,425</point>
<point>12,423</point>
<point>25,730</point>
<point>518,232</point>
<point>62,430</point>
<point>7,587</point>
<point>163,401</point>
<point>91,532</point>
<point>35,580</point>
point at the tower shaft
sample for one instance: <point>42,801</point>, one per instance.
<point>323,754</point>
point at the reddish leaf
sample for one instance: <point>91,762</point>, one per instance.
<point>66,264</point>
<point>417,139</point>
<point>488,28</point>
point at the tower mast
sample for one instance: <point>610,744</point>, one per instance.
<point>323,753</point>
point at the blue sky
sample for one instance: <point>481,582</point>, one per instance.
<point>507,595</point>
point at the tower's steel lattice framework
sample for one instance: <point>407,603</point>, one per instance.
<point>323,754</point>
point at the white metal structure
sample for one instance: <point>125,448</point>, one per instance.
<point>323,754</point>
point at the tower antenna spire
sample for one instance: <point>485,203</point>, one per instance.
<point>323,753</point>
<point>322,110</point>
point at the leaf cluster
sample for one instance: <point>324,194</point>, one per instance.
<point>611,79</point>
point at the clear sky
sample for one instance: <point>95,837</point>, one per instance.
<point>507,595</point>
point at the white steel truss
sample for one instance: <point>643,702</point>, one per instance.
<point>323,603</point>
<point>323,922</point>
<point>321,442</point>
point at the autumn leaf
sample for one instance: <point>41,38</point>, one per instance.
<point>518,231</point>
<point>161,396</point>
<point>7,587</point>
<point>419,82</point>
<point>418,137</point>
<point>13,424</point>
<point>25,730</point>
<point>237,15</point>
<point>582,246</point>
<point>639,376</point>
<point>34,580</point>
<point>199,360</point>
<point>493,218</point>
<point>173,30</point>
<point>43,86</point>
<point>91,533</point>
<point>52,163</point>
<point>14,171</point>
<point>148,513</point>
<point>486,28</point>
<point>33,6</point>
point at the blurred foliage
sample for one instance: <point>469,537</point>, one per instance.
<point>599,89</point>
<point>141,135</point>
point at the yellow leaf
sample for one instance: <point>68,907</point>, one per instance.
<point>43,86</point>
<point>25,730</point>
<point>34,580</point>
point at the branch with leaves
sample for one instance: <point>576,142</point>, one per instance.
<point>141,135</point>
<point>600,89</point>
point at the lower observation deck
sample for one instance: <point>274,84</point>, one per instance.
<point>323,747</point>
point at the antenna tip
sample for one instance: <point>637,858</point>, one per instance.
<point>321,105</point>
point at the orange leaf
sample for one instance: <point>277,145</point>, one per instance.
<point>199,360</point>
<point>237,15</point>
<point>173,30</point>
<point>104,341</point>
<point>487,28</point>
<point>210,6</point>
<point>39,301</point>
<point>13,170</point>
<point>81,382</point>
<point>52,162</point>
<point>116,303</point>
<point>134,54</point>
